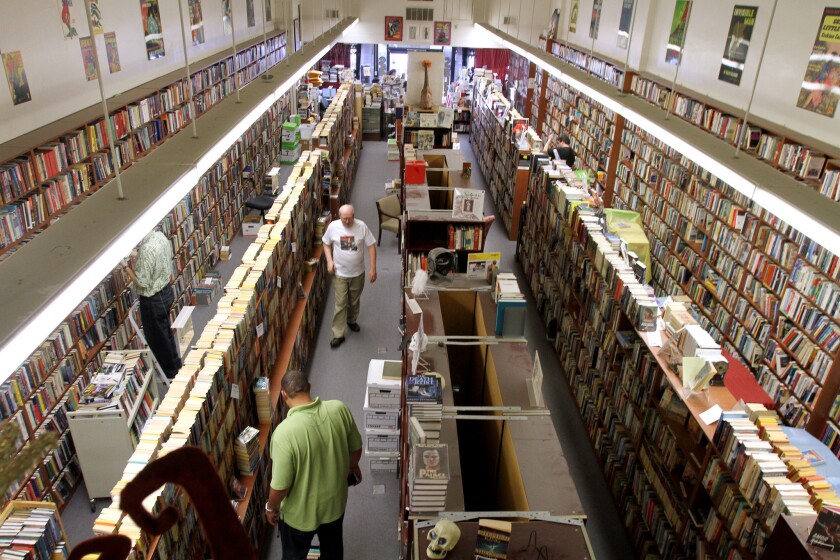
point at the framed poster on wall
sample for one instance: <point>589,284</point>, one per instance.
<point>296,25</point>
<point>393,28</point>
<point>443,32</point>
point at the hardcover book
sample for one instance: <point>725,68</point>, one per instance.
<point>423,388</point>
<point>492,540</point>
<point>431,464</point>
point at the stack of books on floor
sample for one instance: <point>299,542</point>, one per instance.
<point>247,450</point>
<point>424,396</point>
<point>428,477</point>
<point>382,415</point>
<point>393,150</point>
<point>261,395</point>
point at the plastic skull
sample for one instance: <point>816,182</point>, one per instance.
<point>442,538</point>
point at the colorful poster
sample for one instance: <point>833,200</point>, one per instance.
<point>112,52</point>
<point>87,46</point>
<point>595,23</point>
<point>679,23</point>
<point>249,13</point>
<point>95,17</point>
<point>737,44</point>
<point>152,28</point>
<point>393,28</point>
<point>821,87</point>
<point>68,22</point>
<point>227,20</point>
<point>624,23</point>
<point>196,22</point>
<point>16,77</point>
<point>573,15</point>
<point>443,32</point>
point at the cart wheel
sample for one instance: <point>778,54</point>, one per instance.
<point>92,506</point>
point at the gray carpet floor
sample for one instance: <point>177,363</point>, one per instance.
<point>371,520</point>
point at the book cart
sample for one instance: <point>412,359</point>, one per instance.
<point>502,451</point>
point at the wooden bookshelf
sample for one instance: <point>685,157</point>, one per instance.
<point>47,172</point>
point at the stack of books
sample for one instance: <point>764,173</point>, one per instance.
<point>32,534</point>
<point>510,306</point>
<point>428,477</point>
<point>263,399</point>
<point>247,450</point>
<point>424,396</point>
<point>393,150</point>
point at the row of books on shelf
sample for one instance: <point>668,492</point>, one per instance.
<point>198,409</point>
<point>32,533</point>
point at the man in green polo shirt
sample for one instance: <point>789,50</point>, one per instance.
<point>314,451</point>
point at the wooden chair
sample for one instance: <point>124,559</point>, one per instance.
<point>390,216</point>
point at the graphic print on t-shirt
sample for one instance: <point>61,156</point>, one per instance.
<point>348,243</point>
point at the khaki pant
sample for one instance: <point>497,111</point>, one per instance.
<point>348,294</point>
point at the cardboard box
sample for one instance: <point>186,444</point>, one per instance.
<point>383,393</point>
<point>384,464</point>
<point>382,441</point>
<point>251,226</point>
<point>377,419</point>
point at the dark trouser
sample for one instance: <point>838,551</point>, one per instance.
<point>154,312</point>
<point>296,543</point>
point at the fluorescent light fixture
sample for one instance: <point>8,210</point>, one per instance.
<point>20,345</point>
<point>798,219</point>
<point>826,236</point>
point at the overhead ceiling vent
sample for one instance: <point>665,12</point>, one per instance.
<point>420,14</point>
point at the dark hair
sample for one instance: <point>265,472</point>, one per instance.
<point>565,139</point>
<point>294,382</point>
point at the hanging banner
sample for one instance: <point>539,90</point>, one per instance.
<point>267,5</point>
<point>737,44</point>
<point>624,23</point>
<point>152,29</point>
<point>249,13</point>
<point>595,23</point>
<point>573,15</point>
<point>112,52</point>
<point>68,22</point>
<point>196,22</point>
<point>95,17</point>
<point>821,87</point>
<point>677,37</point>
<point>87,46</point>
<point>16,77</point>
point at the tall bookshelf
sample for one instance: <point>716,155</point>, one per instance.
<point>262,326</point>
<point>503,159</point>
<point>519,78</point>
<point>47,385</point>
<point>47,172</point>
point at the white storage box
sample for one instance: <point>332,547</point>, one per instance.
<point>382,441</point>
<point>381,419</point>
<point>383,393</point>
<point>384,464</point>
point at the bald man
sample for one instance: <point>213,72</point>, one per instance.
<point>344,243</point>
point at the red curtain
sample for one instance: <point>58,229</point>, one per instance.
<point>339,54</point>
<point>495,60</point>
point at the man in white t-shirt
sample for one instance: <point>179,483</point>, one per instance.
<point>344,243</point>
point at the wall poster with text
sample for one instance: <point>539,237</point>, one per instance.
<point>595,23</point>
<point>573,16</point>
<point>821,86</point>
<point>196,22</point>
<point>16,77</point>
<point>737,44</point>
<point>249,13</point>
<point>676,39</point>
<point>227,21</point>
<point>87,46</point>
<point>68,22</point>
<point>112,52</point>
<point>624,23</point>
<point>152,29</point>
